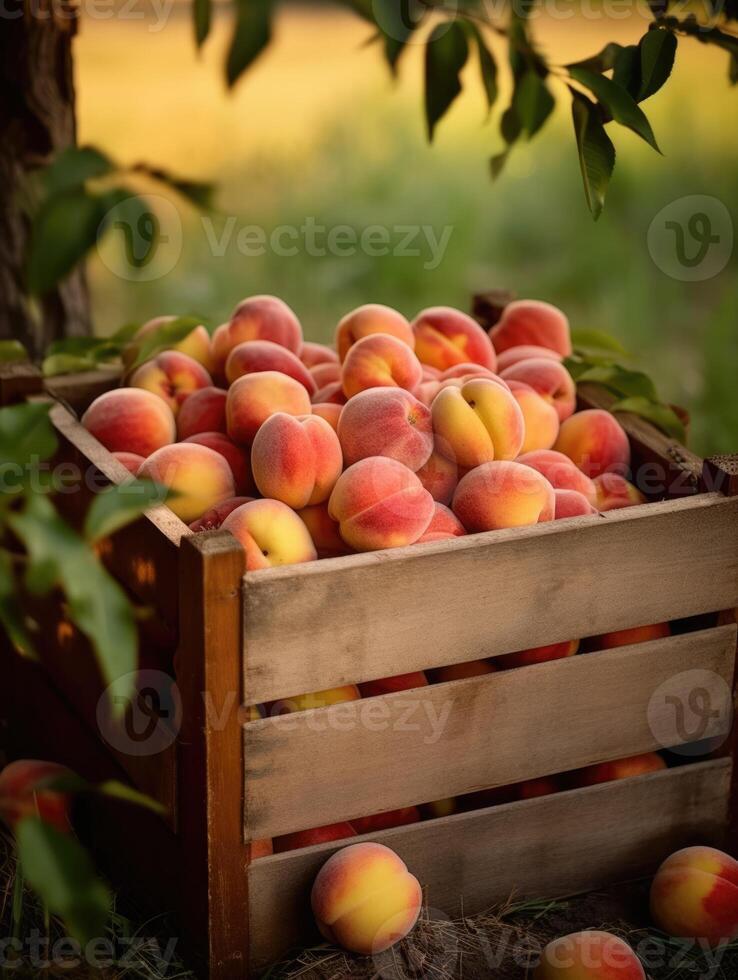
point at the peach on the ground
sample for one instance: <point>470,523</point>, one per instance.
<point>328,411</point>
<point>235,456</point>
<point>694,895</point>
<point>380,361</point>
<point>521,353</point>
<point>503,494</point>
<point>538,655</point>
<point>444,524</point>
<point>550,379</point>
<point>390,685</point>
<point>313,354</point>
<point>172,376</point>
<point>531,789</point>
<point>594,441</point>
<point>199,477</point>
<point>560,472</point>
<point>379,503</point>
<point>26,790</point>
<point>324,374</point>
<point>324,531</point>
<point>370,319</point>
<point>256,318</point>
<point>531,321</point>
<point>444,337</point>
<point>478,422</point>
<point>615,492</point>
<point>331,394</point>
<point>605,772</point>
<point>316,699</point>
<point>540,417</point>
<point>440,476</point>
<point>571,503</point>
<point>254,356</point>
<point>637,634</point>
<point>195,344</point>
<point>271,534</point>
<point>460,672</point>
<point>386,820</point>
<point>386,422</point>
<point>130,420</point>
<point>318,835</point>
<point>296,459</point>
<point>212,519</point>
<point>365,899</point>
<point>253,398</point>
<point>131,461</point>
<point>202,411</point>
<point>589,955</point>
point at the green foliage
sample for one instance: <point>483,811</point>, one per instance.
<point>75,785</point>
<point>251,34</point>
<point>165,336</point>
<point>596,152</point>
<point>445,56</point>
<point>618,103</point>
<point>119,505</point>
<point>12,351</point>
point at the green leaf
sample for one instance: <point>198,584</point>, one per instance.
<point>596,340</point>
<point>11,616</point>
<point>251,35</point>
<point>125,334</point>
<point>26,433</point>
<point>596,152</point>
<point>397,22</point>
<point>120,791</point>
<point>201,16</point>
<point>660,415</point>
<point>618,102</point>
<point>64,230</point>
<point>604,60</point>
<point>73,166</point>
<point>120,504</point>
<point>622,381</point>
<point>61,873</point>
<point>533,102</point>
<point>627,69</point>
<point>733,69</point>
<point>487,66</point>
<point>12,351</point>
<point>445,55</point>
<point>164,337</point>
<point>57,364</point>
<point>497,162</point>
<point>657,49</point>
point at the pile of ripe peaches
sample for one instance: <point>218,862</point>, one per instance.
<point>402,433</point>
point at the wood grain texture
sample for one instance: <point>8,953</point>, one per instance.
<point>329,764</point>
<point>548,847</point>
<point>348,620</point>
<point>78,390</point>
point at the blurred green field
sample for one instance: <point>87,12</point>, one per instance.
<point>318,131</point>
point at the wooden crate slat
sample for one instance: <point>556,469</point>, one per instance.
<point>547,847</point>
<point>347,620</point>
<point>320,766</point>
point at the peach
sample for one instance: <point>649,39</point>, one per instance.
<point>444,337</point>
<point>130,420</point>
<point>594,441</point>
<point>521,353</point>
<point>202,411</point>
<point>538,655</point>
<point>296,459</point>
<point>254,356</point>
<point>615,492</point>
<point>694,895</point>
<point>440,808</point>
<point>370,319</point>
<point>589,955</point>
<point>605,772</point>
<point>256,318</point>
<point>387,820</point>
<point>328,411</point>
<point>503,494</point>
<point>324,374</point>
<point>234,455</point>
<point>571,503</point>
<point>427,391</point>
<point>386,422</point>
<point>530,321</point>
<point>271,534</point>
<point>318,835</point>
<point>431,373</point>
<point>531,789</point>
<point>390,685</point>
<point>131,461</point>
<point>444,524</point>
<point>638,634</point>
<point>478,422</point>
<point>172,376</point>
<point>560,472</point>
<point>195,344</point>
<point>540,417</point>
<point>379,503</point>
<point>199,477</point>
<point>324,531</point>
<point>365,899</point>
<point>380,361</point>
<point>25,792</point>
<point>260,848</point>
<point>313,354</point>
<point>212,519</point>
<point>331,394</point>
<point>550,379</point>
<point>253,398</point>
<point>468,370</point>
<point>460,672</point>
<point>440,476</point>
<point>317,699</point>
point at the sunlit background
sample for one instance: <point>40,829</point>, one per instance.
<point>317,130</point>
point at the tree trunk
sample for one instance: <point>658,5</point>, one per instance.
<point>37,119</point>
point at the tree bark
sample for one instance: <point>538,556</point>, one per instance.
<point>37,118</point>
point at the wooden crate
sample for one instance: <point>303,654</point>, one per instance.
<point>255,637</point>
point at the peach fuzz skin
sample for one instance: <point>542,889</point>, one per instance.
<point>560,472</point>
<point>253,398</point>
<point>605,772</point>
<point>379,503</point>
<point>330,394</point>
<point>503,494</point>
<point>296,459</point>
<point>172,376</point>
<point>212,519</point>
<point>530,321</point>
<point>264,355</point>
<point>196,344</point>
<point>595,442</point>
<point>370,319</point>
<point>271,534</point>
<point>237,458</point>
<point>477,423</point>
<point>22,794</point>
<point>313,354</point>
<point>365,899</point>
<point>615,492</point>
<point>328,411</point>
<point>200,477</point>
<point>538,655</point>
<point>571,503</point>
<point>694,895</point>
<point>202,411</point>
<point>130,420</point>
<point>549,379</point>
<point>589,955</point>
<point>386,422</point>
<point>439,476</point>
<point>324,531</point>
<point>540,417</point>
<point>445,337</point>
<point>325,374</point>
<point>444,524</point>
<point>521,353</point>
<point>256,318</point>
<point>380,361</point>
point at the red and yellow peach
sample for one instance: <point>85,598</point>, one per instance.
<point>503,494</point>
<point>203,410</point>
<point>477,422</point>
<point>380,361</point>
<point>589,955</point>
<point>549,379</point>
<point>560,472</point>
<point>445,337</point>
<point>256,318</point>
<point>694,895</point>
<point>444,524</point>
<point>387,422</point>
<point>254,356</point>
<point>530,321</point>
<point>594,441</point>
<point>296,459</point>
<point>370,319</point>
<point>237,459</point>
<point>131,420</point>
<point>540,417</point>
<point>253,398</point>
<point>271,534</point>
<point>199,478</point>
<point>172,376</point>
<point>615,492</point>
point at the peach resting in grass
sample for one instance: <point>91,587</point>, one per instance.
<point>256,318</point>
<point>202,411</point>
<point>549,379</point>
<point>444,524</point>
<point>560,472</point>
<point>212,519</point>
<point>369,319</point>
<point>571,503</point>
<point>296,459</point>
<point>313,354</point>
<point>131,461</point>
<point>271,534</point>
<point>594,441</point>
<point>328,411</point>
<point>23,793</point>
<point>589,955</point>
<point>324,531</point>
<point>379,503</point>
<point>199,477</point>
<point>380,361</point>
<point>530,321</point>
<point>253,398</point>
<point>538,655</point>
<point>365,899</point>
<point>605,772</point>
<point>478,422</point>
<point>386,422</point>
<point>522,353</point>
<point>615,492</point>
<point>638,634</point>
<point>694,895</point>
<point>390,685</point>
<point>264,355</point>
<point>130,420</point>
<point>387,820</point>
<point>540,417</point>
<point>317,835</point>
<point>236,457</point>
<point>503,494</point>
<point>444,337</point>
<point>196,344</point>
<point>439,476</point>
<point>172,376</point>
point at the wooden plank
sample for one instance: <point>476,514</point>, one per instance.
<point>18,380</point>
<point>543,848</point>
<point>396,750</point>
<point>348,620</point>
<point>79,390</point>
